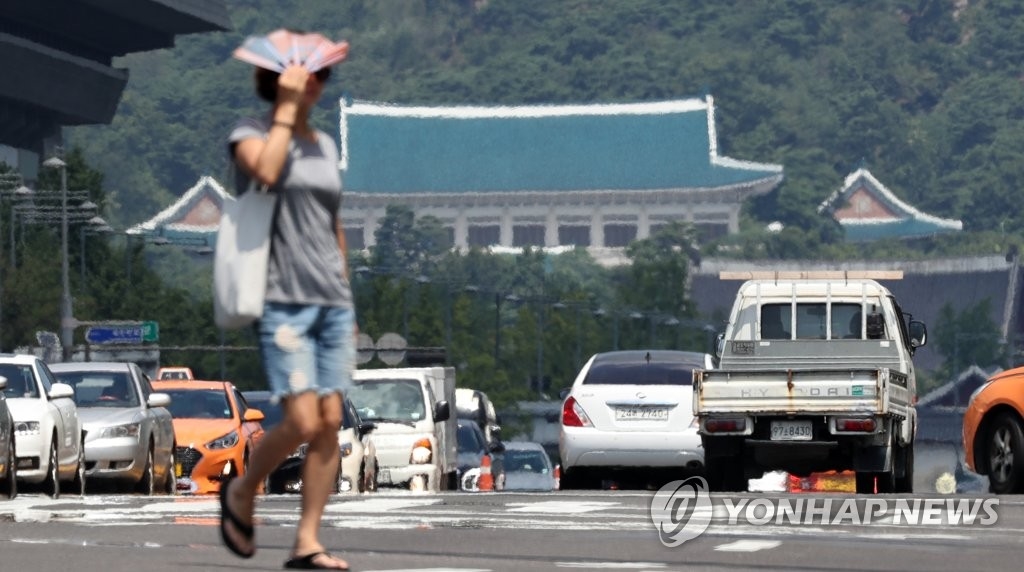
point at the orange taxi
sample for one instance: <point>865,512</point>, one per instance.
<point>215,430</point>
<point>994,431</point>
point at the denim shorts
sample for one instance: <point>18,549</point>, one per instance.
<point>307,348</point>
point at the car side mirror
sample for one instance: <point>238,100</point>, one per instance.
<point>441,411</point>
<point>365,427</point>
<point>253,415</point>
<point>158,400</point>
<point>564,393</point>
<point>719,345</point>
<point>61,391</point>
<point>918,333</point>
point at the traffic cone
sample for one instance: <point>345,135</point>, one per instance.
<point>558,477</point>
<point>486,481</point>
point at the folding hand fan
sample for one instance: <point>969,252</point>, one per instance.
<point>282,48</point>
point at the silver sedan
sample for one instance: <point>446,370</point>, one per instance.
<point>129,431</point>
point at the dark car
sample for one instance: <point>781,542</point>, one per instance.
<point>353,474</point>
<point>472,449</point>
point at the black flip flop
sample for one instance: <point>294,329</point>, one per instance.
<point>306,562</point>
<point>226,515</point>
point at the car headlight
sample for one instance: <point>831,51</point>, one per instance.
<point>117,431</point>
<point>225,442</point>
<point>977,391</point>
<point>26,428</point>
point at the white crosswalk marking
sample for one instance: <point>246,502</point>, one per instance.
<point>748,545</point>
<point>561,507</point>
<point>434,570</point>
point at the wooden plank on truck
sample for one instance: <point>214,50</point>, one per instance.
<point>811,275</point>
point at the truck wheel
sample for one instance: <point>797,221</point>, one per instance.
<point>865,483</point>
<point>905,484</point>
<point>725,474</point>
<point>887,480</point>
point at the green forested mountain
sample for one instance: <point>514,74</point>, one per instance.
<point>926,93</point>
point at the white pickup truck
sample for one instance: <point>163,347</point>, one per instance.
<point>815,374</point>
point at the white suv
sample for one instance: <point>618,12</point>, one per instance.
<point>48,432</point>
<point>629,412</point>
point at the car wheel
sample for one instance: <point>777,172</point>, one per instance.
<point>371,479</point>
<point>147,484</point>
<point>361,485</point>
<point>339,479</point>
<point>171,476</point>
<point>52,483</point>
<point>1005,455</point>
<point>575,479</point>
<point>10,485</point>
<point>78,483</point>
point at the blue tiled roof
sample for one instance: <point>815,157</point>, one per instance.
<point>663,145</point>
<point>905,228</point>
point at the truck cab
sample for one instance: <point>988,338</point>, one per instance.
<point>816,373</point>
<point>415,430</point>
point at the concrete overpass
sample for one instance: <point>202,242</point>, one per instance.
<point>57,58</point>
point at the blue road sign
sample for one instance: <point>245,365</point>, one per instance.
<point>114,334</point>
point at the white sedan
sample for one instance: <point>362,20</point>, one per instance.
<point>628,415</point>
<point>48,433</point>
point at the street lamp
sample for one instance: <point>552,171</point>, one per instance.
<point>67,322</point>
<point>8,189</point>
<point>95,225</point>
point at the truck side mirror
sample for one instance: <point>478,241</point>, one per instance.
<point>441,411</point>
<point>366,426</point>
<point>918,333</point>
<point>719,345</point>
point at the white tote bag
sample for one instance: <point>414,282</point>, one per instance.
<point>241,257</point>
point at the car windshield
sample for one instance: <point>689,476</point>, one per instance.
<point>101,388</point>
<point>20,380</point>
<point>526,461</point>
<point>469,440</point>
<point>398,400</point>
<point>640,371</point>
<point>199,404</point>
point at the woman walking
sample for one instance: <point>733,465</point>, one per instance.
<point>307,330</point>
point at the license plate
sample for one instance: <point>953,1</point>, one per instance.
<point>641,413</point>
<point>791,431</point>
<point>384,476</point>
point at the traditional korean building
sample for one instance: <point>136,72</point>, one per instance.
<point>867,210</point>
<point>192,220</point>
<point>596,176</point>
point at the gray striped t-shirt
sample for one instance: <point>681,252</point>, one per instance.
<point>305,262</point>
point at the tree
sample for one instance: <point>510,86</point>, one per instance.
<point>969,336</point>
